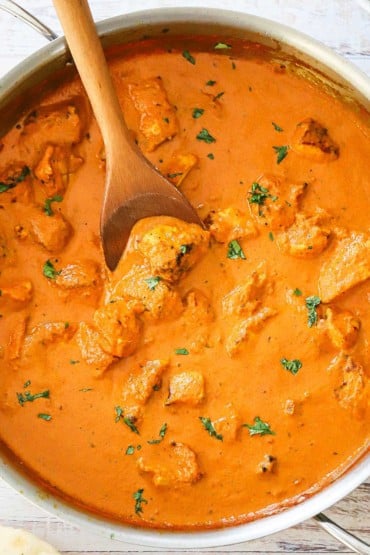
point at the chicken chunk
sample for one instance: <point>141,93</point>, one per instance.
<point>186,387</point>
<point>246,297</point>
<point>312,140</point>
<point>16,296</point>
<point>17,325</point>
<point>173,249</point>
<point>54,168</point>
<point>82,278</point>
<point>243,329</point>
<point>178,167</point>
<point>52,232</point>
<point>49,332</point>
<point>229,224</point>
<point>148,293</point>
<point>351,378</point>
<point>139,386</point>
<point>348,266</point>
<point>273,201</point>
<point>158,121</point>
<point>173,465</point>
<point>119,329</point>
<point>16,184</point>
<point>342,327</point>
<point>87,338</point>
<point>306,238</point>
<point>60,123</point>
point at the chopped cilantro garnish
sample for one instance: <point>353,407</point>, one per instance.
<point>186,54</point>
<point>184,249</point>
<point>47,206</point>
<point>197,113</point>
<point>222,46</point>
<point>28,397</point>
<point>258,194</point>
<point>297,292</point>
<point>139,500</point>
<point>293,366</point>
<point>44,416</point>
<point>217,96</point>
<point>119,413</point>
<point>312,303</point>
<point>281,151</point>
<point>207,423</point>
<point>73,361</point>
<point>210,83</point>
<point>277,127</point>
<point>27,384</point>
<point>259,428</point>
<point>49,270</point>
<point>162,433</point>
<point>130,450</point>
<point>166,120</point>
<point>153,282</point>
<point>14,180</point>
<point>181,352</point>
<point>173,175</point>
<point>211,156</point>
<point>235,251</point>
<point>271,236</point>
<point>205,136</point>
<point>129,422</point>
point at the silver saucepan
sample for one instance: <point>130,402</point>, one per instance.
<point>51,63</point>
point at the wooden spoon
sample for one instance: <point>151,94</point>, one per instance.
<point>133,188</point>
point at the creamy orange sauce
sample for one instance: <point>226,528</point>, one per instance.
<point>201,389</point>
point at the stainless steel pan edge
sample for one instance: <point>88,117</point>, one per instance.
<point>348,80</point>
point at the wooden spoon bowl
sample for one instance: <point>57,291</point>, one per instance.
<point>134,189</point>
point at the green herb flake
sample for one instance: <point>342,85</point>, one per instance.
<point>184,249</point>
<point>205,136</point>
<point>217,96</point>
<point>27,384</point>
<point>258,194</point>
<point>235,251</point>
<point>49,270</point>
<point>197,113</point>
<point>130,450</point>
<point>174,175</point>
<point>14,180</point>
<point>312,303</point>
<point>66,325</point>
<point>181,352</point>
<point>293,366</point>
<point>210,83</point>
<point>207,424</point>
<point>297,292</point>
<point>129,422</point>
<point>153,282</point>
<point>73,361</point>
<point>139,500</point>
<point>281,151</point>
<point>119,413</point>
<point>28,397</point>
<point>277,127</point>
<point>47,205</point>
<point>186,54</point>
<point>222,46</point>
<point>271,236</point>
<point>44,416</point>
<point>162,433</point>
<point>166,120</point>
<point>259,428</point>
<point>211,156</point>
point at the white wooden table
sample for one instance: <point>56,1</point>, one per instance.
<point>343,25</point>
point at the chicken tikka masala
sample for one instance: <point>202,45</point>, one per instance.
<point>219,373</point>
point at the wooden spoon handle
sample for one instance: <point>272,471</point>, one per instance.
<point>84,44</point>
